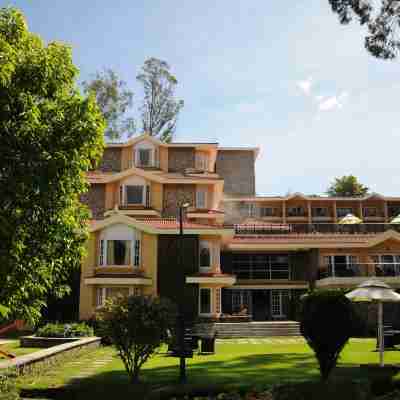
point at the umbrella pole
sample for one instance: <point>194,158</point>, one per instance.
<point>380,332</point>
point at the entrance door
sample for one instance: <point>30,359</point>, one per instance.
<point>279,299</point>
<point>260,305</point>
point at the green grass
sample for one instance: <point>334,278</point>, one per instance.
<point>14,348</point>
<point>242,365</point>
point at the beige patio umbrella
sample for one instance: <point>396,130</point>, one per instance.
<point>350,219</point>
<point>379,292</point>
<point>395,220</point>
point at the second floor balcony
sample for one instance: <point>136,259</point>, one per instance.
<point>315,228</point>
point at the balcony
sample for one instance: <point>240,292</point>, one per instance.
<point>262,273</point>
<point>316,228</point>
<point>150,164</point>
<point>350,275</point>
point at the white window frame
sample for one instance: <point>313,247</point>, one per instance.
<point>396,264</point>
<point>273,211</point>
<point>125,196</point>
<point>201,161</point>
<point>329,260</point>
<point>205,244</point>
<point>201,192</point>
<point>101,294</point>
<point>211,301</point>
<point>137,251</point>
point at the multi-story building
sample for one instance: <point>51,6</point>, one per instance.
<point>240,252</point>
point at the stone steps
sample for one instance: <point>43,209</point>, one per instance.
<point>257,329</point>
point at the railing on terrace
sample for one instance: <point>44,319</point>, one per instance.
<point>359,269</point>
<point>262,273</point>
<point>299,228</point>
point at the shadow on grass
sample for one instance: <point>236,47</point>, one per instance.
<point>241,372</point>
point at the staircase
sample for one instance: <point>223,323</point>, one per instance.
<point>228,330</point>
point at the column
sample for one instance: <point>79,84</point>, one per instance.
<point>360,210</point>
<point>284,212</point>
<point>309,212</point>
<point>334,212</point>
<point>386,212</point>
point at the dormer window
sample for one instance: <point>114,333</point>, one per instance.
<point>144,157</point>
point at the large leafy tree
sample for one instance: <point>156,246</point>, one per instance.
<point>160,108</point>
<point>382,20</point>
<point>347,186</point>
<point>49,136</point>
<point>114,99</point>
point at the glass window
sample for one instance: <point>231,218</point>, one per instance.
<point>101,253</point>
<point>319,212</point>
<point>267,211</point>
<point>205,301</point>
<point>343,211</point>
<point>136,258</point>
<point>118,252</point>
<point>144,157</point>
<point>205,255</point>
<point>201,198</point>
<point>134,194</point>
<point>296,212</point>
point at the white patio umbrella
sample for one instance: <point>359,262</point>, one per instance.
<point>395,220</point>
<point>379,292</point>
<point>350,219</point>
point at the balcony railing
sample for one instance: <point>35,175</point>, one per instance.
<point>359,270</point>
<point>299,228</point>
<point>149,164</point>
<point>262,273</point>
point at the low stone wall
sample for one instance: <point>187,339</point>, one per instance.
<point>44,342</point>
<point>43,358</point>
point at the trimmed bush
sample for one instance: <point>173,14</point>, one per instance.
<point>65,330</point>
<point>327,323</point>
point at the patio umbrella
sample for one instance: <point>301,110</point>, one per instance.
<point>350,219</point>
<point>379,292</point>
<point>395,220</point>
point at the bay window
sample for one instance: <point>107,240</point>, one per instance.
<point>112,292</point>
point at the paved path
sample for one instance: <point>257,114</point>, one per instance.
<point>271,340</point>
<point>84,370</point>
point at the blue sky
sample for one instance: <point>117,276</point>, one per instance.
<point>284,76</point>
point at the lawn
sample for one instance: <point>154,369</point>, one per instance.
<point>235,363</point>
<point>14,348</point>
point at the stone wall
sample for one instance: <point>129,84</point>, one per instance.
<point>177,194</point>
<point>95,199</point>
<point>111,161</point>
<point>237,169</point>
<point>180,158</point>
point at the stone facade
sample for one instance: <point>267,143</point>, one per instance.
<point>238,171</point>
<point>177,194</point>
<point>180,158</point>
<point>95,199</point>
<point>111,161</point>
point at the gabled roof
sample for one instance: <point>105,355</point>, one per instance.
<point>383,237</point>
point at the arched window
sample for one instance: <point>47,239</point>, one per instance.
<point>205,255</point>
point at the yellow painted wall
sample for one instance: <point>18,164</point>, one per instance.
<point>112,191</point>
<point>87,298</point>
<point>126,157</point>
<point>163,154</point>
<point>149,261</point>
<point>157,196</point>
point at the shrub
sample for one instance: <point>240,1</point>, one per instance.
<point>137,326</point>
<point>65,330</point>
<point>327,321</point>
<point>8,390</point>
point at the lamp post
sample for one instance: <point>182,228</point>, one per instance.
<point>181,316</point>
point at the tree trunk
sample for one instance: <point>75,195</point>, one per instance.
<point>135,375</point>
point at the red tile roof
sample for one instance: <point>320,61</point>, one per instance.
<point>172,223</point>
<point>301,238</point>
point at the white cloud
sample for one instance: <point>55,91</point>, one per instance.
<point>329,103</point>
<point>305,85</point>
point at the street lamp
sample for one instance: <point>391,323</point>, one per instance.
<point>181,316</point>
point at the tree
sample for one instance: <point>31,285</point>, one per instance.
<point>114,99</point>
<point>347,186</point>
<point>327,322</point>
<point>137,325</point>
<point>382,19</point>
<point>160,108</point>
<point>49,136</point>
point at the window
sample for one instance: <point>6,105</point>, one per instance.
<point>343,211</point>
<point>118,252</point>
<point>148,196</point>
<point>101,253</point>
<point>296,211</point>
<point>106,293</point>
<point>205,301</point>
<point>370,212</point>
<point>136,253</point>
<point>201,198</point>
<point>320,212</point>
<point>268,211</point>
<point>134,194</point>
<point>341,265</point>
<point>201,161</point>
<point>205,255</point>
<point>144,157</point>
<point>248,209</point>
<point>394,211</point>
<point>387,264</point>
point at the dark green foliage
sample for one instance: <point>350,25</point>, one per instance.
<point>347,186</point>
<point>114,99</point>
<point>382,19</point>
<point>49,136</point>
<point>137,326</point>
<point>65,330</point>
<point>160,108</point>
<point>327,321</point>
